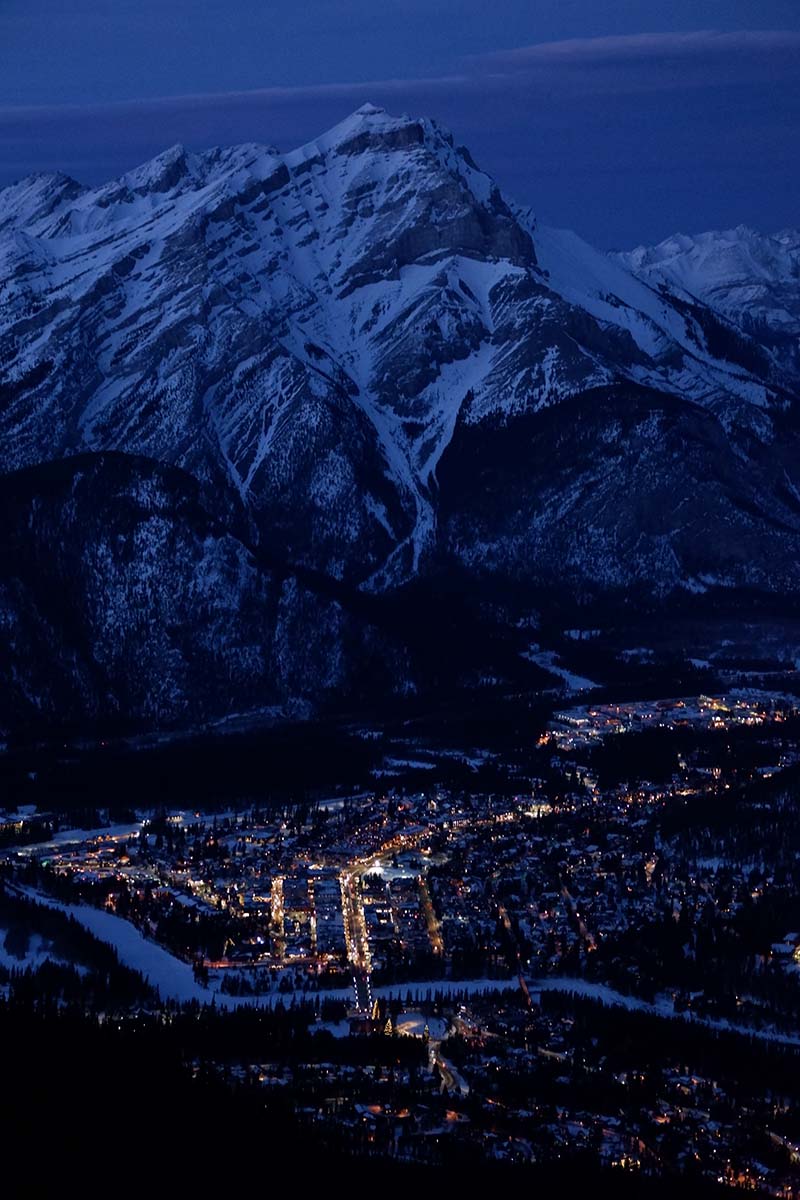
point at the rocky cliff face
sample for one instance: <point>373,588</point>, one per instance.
<point>375,370</point>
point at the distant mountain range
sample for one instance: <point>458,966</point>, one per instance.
<point>750,279</point>
<point>265,414</point>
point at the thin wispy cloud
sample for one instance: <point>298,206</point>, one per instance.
<point>761,47</point>
<point>637,46</point>
<point>648,62</point>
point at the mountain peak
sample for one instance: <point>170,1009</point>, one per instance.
<point>357,132</point>
<point>369,110</point>
<point>163,172</point>
<point>35,197</point>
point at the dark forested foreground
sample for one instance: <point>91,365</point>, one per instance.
<point>148,1101</point>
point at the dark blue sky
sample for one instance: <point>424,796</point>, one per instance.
<point>623,119</point>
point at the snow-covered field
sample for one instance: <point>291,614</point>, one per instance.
<point>548,660</point>
<point>36,952</point>
<point>173,979</point>
<point>65,837</point>
<point>662,1007</point>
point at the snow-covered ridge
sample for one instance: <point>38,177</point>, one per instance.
<point>706,261</point>
<point>750,278</point>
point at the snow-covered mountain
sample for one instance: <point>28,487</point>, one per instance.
<point>751,279</point>
<point>380,371</point>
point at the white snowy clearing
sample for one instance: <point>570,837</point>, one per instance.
<point>661,1008</point>
<point>548,660</point>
